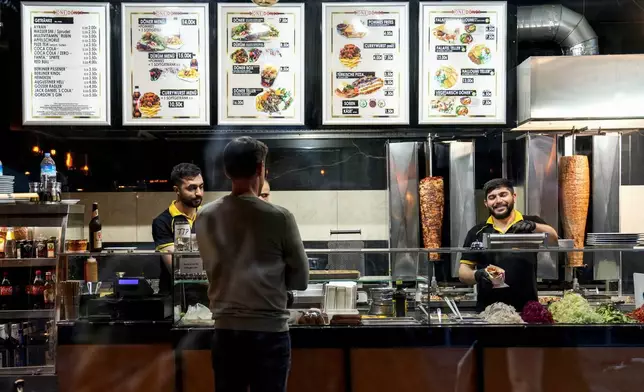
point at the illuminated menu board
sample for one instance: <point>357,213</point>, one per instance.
<point>65,63</point>
<point>365,63</point>
<point>165,64</point>
<point>463,62</point>
<point>261,64</point>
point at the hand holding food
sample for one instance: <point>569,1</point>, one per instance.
<point>497,275</point>
<point>482,278</point>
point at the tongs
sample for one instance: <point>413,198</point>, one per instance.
<point>453,307</point>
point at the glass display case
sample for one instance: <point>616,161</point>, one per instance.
<point>435,295</point>
<point>31,244</point>
<point>331,291</point>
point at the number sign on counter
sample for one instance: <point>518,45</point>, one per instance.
<point>261,64</point>
<point>65,63</point>
<point>365,63</point>
<point>463,62</point>
<point>165,64</point>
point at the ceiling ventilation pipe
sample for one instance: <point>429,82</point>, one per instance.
<point>560,24</point>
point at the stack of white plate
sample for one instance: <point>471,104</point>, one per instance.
<point>6,186</point>
<point>615,239</point>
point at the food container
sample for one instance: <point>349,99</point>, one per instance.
<point>269,74</point>
<point>382,303</point>
<point>34,188</point>
<point>76,246</point>
<point>50,192</point>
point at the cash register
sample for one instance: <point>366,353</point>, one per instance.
<point>133,299</point>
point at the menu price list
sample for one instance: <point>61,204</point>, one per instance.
<point>261,64</point>
<point>463,63</point>
<point>165,64</point>
<point>60,43</point>
<point>366,53</point>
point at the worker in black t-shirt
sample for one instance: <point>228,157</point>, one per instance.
<point>188,185</point>
<point>520,268</point>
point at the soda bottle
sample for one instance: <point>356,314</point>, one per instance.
<point>35,291</point>
<point>47,169</point>
<point>49,291</point>
<point>6,292</point>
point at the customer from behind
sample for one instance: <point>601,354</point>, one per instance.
<point>253,254</point>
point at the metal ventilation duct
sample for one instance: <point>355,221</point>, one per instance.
<point>560,24</point>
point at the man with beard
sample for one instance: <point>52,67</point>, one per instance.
<point>520,268</point>
<point>187,183</point>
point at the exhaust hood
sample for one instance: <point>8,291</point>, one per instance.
<point>561,93</point>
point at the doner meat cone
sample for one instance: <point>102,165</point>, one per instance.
<point>432,202</point>
<point>574,185</point>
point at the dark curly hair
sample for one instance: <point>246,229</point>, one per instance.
<point>496,184</point>
<point>183,171</point>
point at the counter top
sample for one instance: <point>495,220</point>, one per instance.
<point>188,338</point>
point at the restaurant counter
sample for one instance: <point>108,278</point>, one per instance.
<point>148,356</point>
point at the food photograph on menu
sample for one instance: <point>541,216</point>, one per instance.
<point>65,64</point>
<point>165,64</point>
<point>463,62</point>
<point>261,63</point>
<point>365,63</point>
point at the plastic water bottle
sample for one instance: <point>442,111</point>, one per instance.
<point>1,168</point>
<point>47,168</point>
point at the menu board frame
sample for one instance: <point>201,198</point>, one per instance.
<point>204,66</point>
<point>222,37</point>
<point>501,8</point>
<point>327,77</point>
<point>28,119</point>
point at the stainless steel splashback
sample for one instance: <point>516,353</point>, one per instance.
<point>404,213</point>
<point>560,92</point>
<point>462,212</point>
<point>605,186</point>
<point>530,161</point>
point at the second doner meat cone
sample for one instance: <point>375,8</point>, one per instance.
<point>574,185</point>
<point>432,202</point>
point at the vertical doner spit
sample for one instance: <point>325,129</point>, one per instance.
<point>574,184</point>
<point>432,203</point>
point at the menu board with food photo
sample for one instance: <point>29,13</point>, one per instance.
<point>463,62</point>
<point>65,63</point>
<point>165,64</point>
<point>261,63</point>
<point>365,63</point>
